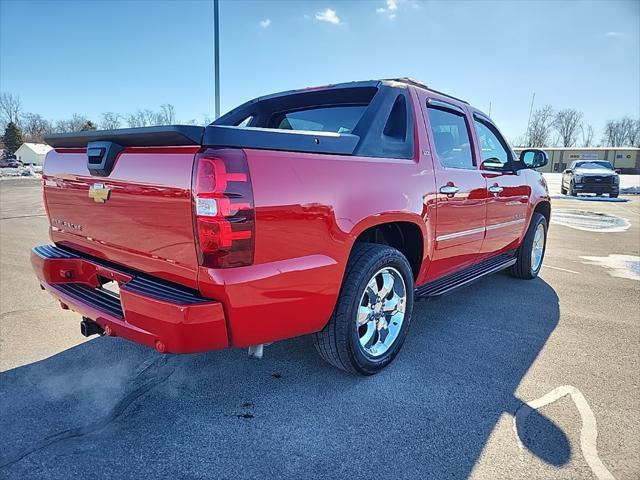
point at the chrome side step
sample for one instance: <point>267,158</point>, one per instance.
<point>464,277</point>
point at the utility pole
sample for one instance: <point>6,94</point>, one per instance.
<point>530,112</point>
<point>216,58</point>
<point>489,108</point>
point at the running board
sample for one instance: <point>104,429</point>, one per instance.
<point>466,276</point>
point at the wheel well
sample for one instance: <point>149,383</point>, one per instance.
<point>545,209</point>
<point>403,236</point>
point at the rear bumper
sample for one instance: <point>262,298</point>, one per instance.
<point>147,311</point>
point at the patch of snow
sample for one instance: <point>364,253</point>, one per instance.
<point>622,266</point>
<point>589,221</point>
<point>590,198</point>
<point>32,171</point>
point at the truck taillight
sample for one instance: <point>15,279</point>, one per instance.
<point>223,208</point>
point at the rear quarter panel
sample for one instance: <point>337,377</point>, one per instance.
<point>310,209</point>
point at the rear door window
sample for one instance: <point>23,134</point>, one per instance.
<point>338,119</point>
<point>451,138</point>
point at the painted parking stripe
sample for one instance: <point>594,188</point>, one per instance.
<point>561,269</point>
<point>588,433</point>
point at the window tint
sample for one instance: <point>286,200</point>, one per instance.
<point>492,150</point>
<point>451,138</point>
<point>594,165</point>
<point>341,119</point>
<point>245,122</point>
<point>396,126</point>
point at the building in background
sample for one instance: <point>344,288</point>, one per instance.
<point>32,153</point>
<point>625,159</point>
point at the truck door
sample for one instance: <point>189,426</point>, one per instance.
<point>508,191</point>
<point>461,188</point>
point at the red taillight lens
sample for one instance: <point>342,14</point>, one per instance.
<point>223,208</point>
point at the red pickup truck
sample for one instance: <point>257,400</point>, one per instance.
<point>322,211</point>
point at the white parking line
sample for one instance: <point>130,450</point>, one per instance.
<point>588,433</point>
<point>561,269</point>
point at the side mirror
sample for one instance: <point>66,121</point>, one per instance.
<point>568,170</point>
<point>534,158</point>
<point>618,171</point>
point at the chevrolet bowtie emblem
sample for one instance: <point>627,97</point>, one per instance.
<point>99,192</point>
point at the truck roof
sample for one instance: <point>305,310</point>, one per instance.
<point>407,81</point>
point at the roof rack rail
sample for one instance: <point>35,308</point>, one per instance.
<point>417,83</point>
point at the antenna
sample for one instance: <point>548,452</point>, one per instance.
<point>530,112</point>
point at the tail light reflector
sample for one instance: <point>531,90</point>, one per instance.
<point>223,208</point>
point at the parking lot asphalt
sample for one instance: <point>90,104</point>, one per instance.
<point>503,379</point>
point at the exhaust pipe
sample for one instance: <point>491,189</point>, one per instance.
<point>88,327</point>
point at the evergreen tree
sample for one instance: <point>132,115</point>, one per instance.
<point>12,139</point>
<point>89,125</point>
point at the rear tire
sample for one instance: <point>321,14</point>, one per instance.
<point>531,253</point>
<point>613,195</point>
<point>363,321</point>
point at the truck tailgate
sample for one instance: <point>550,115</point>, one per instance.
<point>140,215</point>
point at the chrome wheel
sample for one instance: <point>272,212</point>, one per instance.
<point>381,311</point>
<point>537,250</point>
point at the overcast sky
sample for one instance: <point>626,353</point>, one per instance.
<point>68,57</point>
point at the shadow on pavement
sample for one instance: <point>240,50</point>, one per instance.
<point>109,407</point>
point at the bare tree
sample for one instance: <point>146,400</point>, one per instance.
<point>35,127</point>
<point>587,135</point>
<point>110,121</point>
<point>142,118</point>
<point>10,108</point>
<point>147,118</point>
<point>167,115</point>
<point>540,127</point>
<point>567,123</point>
<point>633,134</point>
<point>616,132</point>
<point>74,124</point>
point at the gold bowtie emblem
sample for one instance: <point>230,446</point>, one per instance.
<point>99,192</point>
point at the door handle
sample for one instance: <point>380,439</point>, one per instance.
<point>496,189</point>
<point>449,190</point>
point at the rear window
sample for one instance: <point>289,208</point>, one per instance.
<point>338,119</point>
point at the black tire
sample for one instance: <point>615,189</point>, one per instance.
<point>563,190</point>
<point>613,195</point>
<point>338,343</point>
<point>522,268</point>
<point>572,190</point>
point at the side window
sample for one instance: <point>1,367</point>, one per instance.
<point>245,122</point>
<point>451,138</point>
<point>338,118</point>
<point>494,153</point>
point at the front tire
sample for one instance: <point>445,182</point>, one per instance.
<point>372,315</point>
<point>613,195</point>
<point>572,189</point>
<point>531,253</point>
